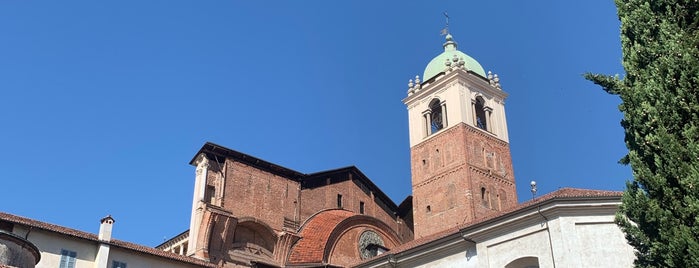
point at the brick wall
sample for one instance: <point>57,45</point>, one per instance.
<point>458,175</point>
<point>251,192</point>
<point>320,198</point>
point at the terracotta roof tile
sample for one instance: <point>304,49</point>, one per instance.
<point>314,236</point>
<point>93,237</point>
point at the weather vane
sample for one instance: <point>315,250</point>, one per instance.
<point>445,31</point>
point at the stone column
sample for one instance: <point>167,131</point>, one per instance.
<point>199,188</point>
<point>444,114</point>
<point>488,121</point>
<point>428,122</point>
<point>474,115</point>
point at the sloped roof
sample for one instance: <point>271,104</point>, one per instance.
<point>314,236</point>
<point>213,150</point>
<point>561,194</point>
<point>93,237</point>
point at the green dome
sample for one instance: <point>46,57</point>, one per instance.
<point>437,66</point>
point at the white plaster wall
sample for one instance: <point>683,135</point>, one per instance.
<point>50,246</point>
<point>577,241</point>
<point>523,244</point>
<point>603,245</point>
<point>459,260</point>
<point>590,241</point>
<point>136,259</point>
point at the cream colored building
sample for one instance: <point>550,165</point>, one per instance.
<point>64,247</point>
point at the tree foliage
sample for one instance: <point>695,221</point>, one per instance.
<point>660,102</point>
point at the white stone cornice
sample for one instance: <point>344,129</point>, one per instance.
<point>532,215</point>
<point>464,77</point>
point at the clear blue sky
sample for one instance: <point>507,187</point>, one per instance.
<point>102,105</point>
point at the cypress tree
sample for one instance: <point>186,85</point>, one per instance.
<point>660,103</point>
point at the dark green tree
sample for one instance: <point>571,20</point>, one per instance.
<point>659,92</point>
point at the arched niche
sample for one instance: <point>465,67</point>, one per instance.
<point>254,237</point>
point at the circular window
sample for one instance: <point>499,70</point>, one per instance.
<point>369,242</point>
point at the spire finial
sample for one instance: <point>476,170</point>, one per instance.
<point>445,31</point>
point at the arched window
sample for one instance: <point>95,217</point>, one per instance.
<point>436,116</point>
<point>524,262</point>
<point>481,121</point>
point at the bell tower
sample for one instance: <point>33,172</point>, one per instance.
<point>460,155</point>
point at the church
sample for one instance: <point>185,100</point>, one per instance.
<point>249,212</point>
<point>463,211</point>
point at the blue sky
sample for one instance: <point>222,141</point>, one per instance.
<point>102,104</point>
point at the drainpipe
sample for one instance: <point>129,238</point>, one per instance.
<point>548,231</point>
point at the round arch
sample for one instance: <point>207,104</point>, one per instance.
<point>524,262</point>
<point>253,234</point>
<point>362,222</point>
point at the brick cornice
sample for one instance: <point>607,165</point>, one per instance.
<point>444,132</point>
<point>439,176</point>
<point>488,173</point>
<point>486,135</point>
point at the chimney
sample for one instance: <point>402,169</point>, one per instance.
<point>106,224</point>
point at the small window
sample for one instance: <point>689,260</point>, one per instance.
<point>339,201</point>
<point>210,194</point>
<point>482,193</point>
<point>118,264</point>
<point>428,209</point>
<point>361,207</point>
<point>67,259</point>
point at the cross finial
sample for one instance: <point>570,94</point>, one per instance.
<point>445,31</point>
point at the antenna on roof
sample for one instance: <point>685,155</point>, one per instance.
<point>445,31</point>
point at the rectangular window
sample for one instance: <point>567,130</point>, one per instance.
<point>118,264</point>
<point>339,201</point>
<point>361,207</point>
<point>210,194</point>
<point>67,259</point>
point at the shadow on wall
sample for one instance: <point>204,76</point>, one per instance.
<point>16,251</point>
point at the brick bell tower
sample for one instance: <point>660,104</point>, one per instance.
<point>459,150</point>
